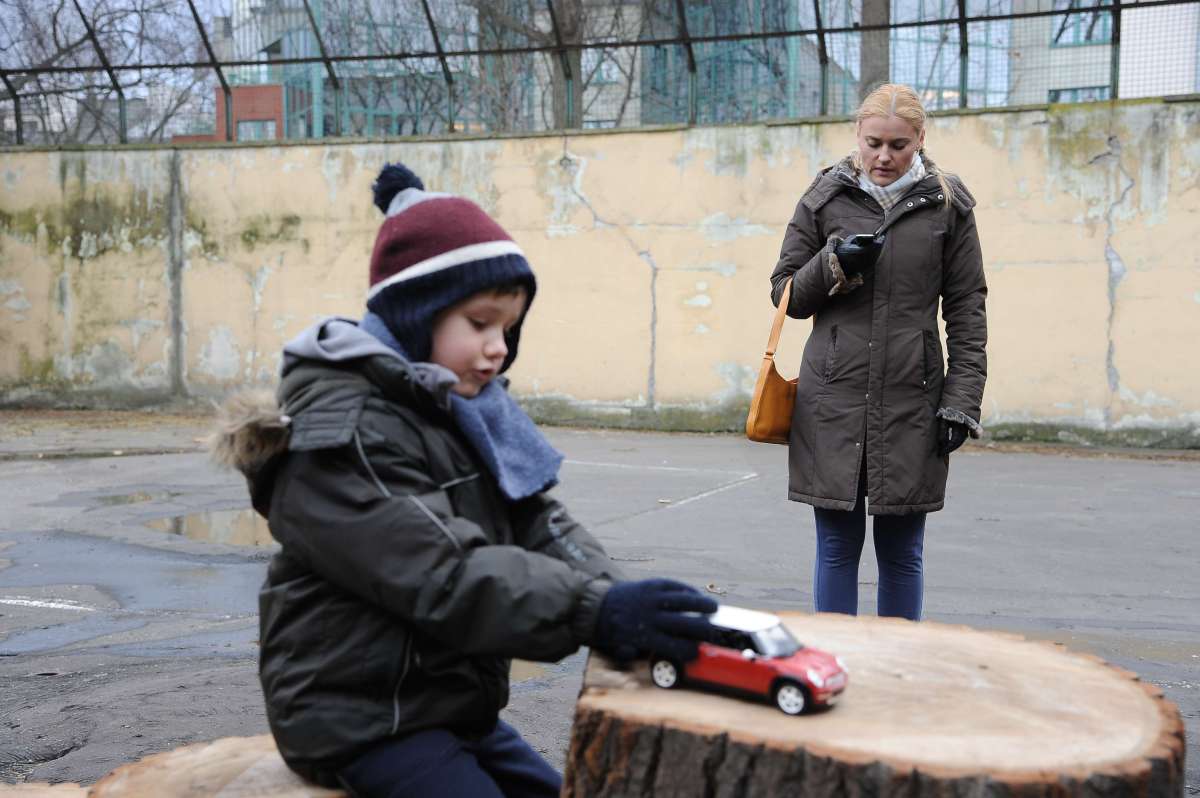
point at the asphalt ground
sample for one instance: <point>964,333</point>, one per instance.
<point>128,594</point>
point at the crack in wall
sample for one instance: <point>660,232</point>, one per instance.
<point>1116,271</point>
<point>175,258</point>
<point>572,164</point>
<point>651,382</point>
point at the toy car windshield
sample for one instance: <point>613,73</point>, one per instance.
<point>776,641</point>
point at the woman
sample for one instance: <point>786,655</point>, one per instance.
<point>876,416</point>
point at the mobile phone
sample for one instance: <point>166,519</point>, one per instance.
<point>864,239</point>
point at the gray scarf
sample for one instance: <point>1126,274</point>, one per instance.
<point>512,447</point>
<point>889,195</point>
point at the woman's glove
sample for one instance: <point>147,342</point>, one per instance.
<point>653,616</point>
<point>951,435</point>
<point>857,254</point>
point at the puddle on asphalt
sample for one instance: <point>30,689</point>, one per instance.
<point>237,527</point>
<point>135,498</point>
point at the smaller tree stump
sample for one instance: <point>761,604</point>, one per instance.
<point>41,789</point>
<point>232,767</point>
<point>930,710</point>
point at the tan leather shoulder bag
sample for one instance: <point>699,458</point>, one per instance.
<point>770,417</point>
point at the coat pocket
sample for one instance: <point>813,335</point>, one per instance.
<point>932,371</point>
<point>831,353</point>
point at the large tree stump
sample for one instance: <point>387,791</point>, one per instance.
<point>930,710</point>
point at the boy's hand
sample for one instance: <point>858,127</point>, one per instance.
<point>637,618</point>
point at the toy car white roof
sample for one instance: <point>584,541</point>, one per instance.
<point>742,619</point>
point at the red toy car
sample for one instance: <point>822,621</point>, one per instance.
<point>753,652</point>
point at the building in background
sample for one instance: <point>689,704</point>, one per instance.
<point>1160,51</point>
<point>1062,57</point>
<point>740,81</point>
<point>1071,57</point>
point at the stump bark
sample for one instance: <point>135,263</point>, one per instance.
<point>930,710</point>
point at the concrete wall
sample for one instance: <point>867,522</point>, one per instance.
<point>133,275</point>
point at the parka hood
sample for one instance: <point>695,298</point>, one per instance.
<point>250,433</point>
<point>333,339</point>
<point>252,427</point>
<point>336,340</point>
<point>842,175</point>
<point>255,426</point>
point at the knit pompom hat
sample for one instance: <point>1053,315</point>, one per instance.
<point>433,251</point>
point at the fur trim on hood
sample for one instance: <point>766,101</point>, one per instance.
<point>250,431</point>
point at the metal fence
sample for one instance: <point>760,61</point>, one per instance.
<point>100,71</point>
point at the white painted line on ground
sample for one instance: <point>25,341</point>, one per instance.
<point>719,489</point>
<point>46,605</point>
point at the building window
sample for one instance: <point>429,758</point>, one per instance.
<point>1083,26</point>
<point>1083,94</point>
<point>256,130</point>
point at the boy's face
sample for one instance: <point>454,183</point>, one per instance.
<point>468,338</point>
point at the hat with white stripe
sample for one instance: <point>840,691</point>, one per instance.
<point>433,251</point>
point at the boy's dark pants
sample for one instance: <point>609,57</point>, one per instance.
<point>437,762</point>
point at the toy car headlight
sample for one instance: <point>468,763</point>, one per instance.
<point>816,678</point>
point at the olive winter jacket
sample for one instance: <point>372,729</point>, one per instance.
<point>405,581</point>
<point>873,383</point>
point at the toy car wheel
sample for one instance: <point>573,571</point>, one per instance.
<point>790,698</point>
<point>664,673</point>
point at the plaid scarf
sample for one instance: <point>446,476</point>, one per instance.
<point>889,195</point>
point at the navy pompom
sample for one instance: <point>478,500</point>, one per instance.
<point>393,178</point>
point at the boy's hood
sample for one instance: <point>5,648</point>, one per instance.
<point>254,426</point>
<point>333,340</point>
<point>336,340</point>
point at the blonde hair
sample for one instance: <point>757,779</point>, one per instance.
<point>898,100</point>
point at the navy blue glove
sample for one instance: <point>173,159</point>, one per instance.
<point>951,435</point>
<point>652,617</point>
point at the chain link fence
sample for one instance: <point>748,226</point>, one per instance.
<point>104,71</point>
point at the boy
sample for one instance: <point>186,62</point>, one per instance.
<point>419,549</point>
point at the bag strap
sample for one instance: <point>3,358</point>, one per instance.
<point>777,325</point>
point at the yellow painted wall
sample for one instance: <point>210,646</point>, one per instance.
<point>130,274</point>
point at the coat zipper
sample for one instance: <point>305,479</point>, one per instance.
<point>408,653</point>
<point>887,222</point>
<point>403,674</point>
<point>833,332</point>
<point>370,469</point>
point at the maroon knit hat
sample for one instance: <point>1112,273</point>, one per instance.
<point>432,251</point>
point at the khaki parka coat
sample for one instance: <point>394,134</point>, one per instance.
<point>873,383</point>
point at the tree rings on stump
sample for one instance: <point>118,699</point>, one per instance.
<point>930,710</point>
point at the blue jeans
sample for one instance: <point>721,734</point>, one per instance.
<point>437,762</point>
<point>899,548</point>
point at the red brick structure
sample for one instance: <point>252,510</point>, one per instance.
<point>251,104</point>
